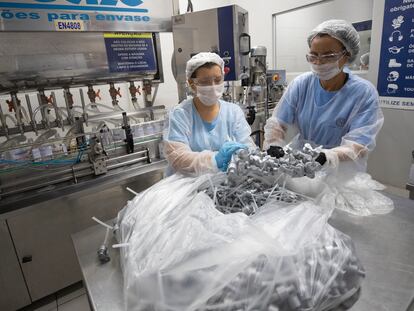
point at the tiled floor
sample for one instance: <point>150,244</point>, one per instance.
<point>72,298</point>
<point>79,303</point>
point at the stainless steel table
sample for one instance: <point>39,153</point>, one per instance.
<point>384,243</point>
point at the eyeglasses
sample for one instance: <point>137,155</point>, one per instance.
<point>325,58</point>
<point>209,81</point>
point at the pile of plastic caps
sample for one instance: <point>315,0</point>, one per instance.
<point>255,178</point>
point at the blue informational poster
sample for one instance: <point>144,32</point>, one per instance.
<point>131,52</point>
<point>396,68</point>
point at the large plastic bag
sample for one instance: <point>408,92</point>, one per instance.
<point>183,254</point>
<point>357,194</point>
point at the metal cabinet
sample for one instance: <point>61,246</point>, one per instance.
<point>13,291</point>
<point>42,237</point>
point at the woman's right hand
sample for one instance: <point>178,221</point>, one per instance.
<point>225,153</point>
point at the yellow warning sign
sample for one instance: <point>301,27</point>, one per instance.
<point>127,35</point>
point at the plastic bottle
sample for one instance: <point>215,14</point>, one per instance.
<point>19,154</point>
<point>138,130</point>
<point>36,155</point>
<point>150,129</point>
<point>118,134</point>
<point>106,136</point>
<point>46,151</point>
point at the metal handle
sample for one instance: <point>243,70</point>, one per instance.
<point>26,259</point>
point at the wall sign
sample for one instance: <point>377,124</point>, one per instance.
<point>131,52</point>
<point>396,68</point>
<point>94,15</point>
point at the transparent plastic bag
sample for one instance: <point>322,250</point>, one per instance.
<point>354,192</point>
<point>359,196</point>
<point>183,254</point>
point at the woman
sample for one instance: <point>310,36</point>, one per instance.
<point>203,132</point>
<point>332,108</point>
<point>329,106</point>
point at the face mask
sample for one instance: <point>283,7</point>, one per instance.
<point>210,94</point>
<point>326,71</point>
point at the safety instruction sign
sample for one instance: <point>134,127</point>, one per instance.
<point>396,70</point>
<point>131,52</point>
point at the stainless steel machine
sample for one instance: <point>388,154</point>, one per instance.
<point>221,30</point>
<point>66,155</point>
<point>224,31</point>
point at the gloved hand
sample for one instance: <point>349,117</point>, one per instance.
<point>223,156</point>
<point>321,158</point>
<point>276,151</point>
<point>328,158</point>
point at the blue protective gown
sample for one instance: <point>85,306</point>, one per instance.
<point>186,126</point>
<point>326,118</point>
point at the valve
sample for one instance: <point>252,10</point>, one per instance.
<point>133,90</point>
<point>114,93</point>
<point>11,105</point>
<point>92,94</point>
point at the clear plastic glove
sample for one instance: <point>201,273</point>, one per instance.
<point>185,161</point>
<point>328,158</point>
<point>274,133</point>
<point>348,151</point>
<point>225,153</point>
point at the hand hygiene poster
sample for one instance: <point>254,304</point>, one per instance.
<point>396,70</point>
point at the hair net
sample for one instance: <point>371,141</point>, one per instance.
<point>340,30</point>
<point>200,59</point>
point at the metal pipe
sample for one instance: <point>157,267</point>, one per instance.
<point>69,103</point>
<point>125,156</point>
<point>59,119</point>
<point>17,110</point>
<point>85,115</point>
<point>42,99</point>
<point>32,120</point>
<point>148,100</point>
<point>3,122</point>
<point>129,138</point>
<point>155,93</point>
<point>118,114</point>
<point>110,167</point>
<point>81,139</point>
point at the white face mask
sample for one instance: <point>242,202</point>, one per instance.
<point>326,71</point>
<point>210,94</point>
